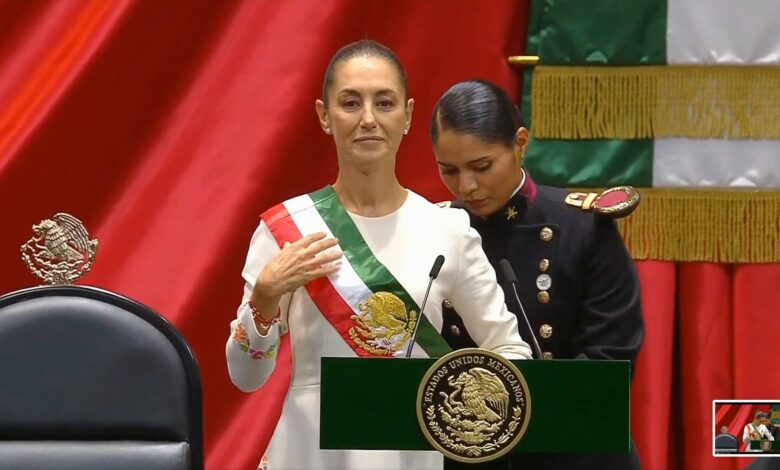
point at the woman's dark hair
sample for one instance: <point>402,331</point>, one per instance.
<point>478,108</point>
<point>365,48</point>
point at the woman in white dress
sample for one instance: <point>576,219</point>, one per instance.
<point>756,431</point>
<point>328,266</point>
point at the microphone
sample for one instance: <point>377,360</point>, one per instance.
<point>437,264</point>
<point>509,276</point>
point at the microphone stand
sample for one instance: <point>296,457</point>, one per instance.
<point>509,276</point>
<point>437,264</point>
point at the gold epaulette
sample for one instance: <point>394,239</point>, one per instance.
<point>614,202</point>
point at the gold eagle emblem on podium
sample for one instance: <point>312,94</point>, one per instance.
<point>473,405</point>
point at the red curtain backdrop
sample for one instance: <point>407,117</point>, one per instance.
<point>710,334</point>
<point>167,127</point>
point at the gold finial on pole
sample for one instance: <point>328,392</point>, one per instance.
<point>521,60</point>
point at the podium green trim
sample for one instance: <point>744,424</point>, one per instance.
<point>756,445</point>
<point>577,405</point>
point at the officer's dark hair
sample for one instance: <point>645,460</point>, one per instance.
<point>761,414</point>
<point>365,48</point>
<point>478,108</point>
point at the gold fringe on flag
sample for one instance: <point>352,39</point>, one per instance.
<point>719,226</point>
<point>723,102</point>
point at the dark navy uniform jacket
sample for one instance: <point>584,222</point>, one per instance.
<point>578,285</point>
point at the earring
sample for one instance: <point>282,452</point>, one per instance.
<point>406,131</point>
<point>327,130</point>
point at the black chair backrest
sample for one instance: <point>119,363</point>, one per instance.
<point>726,442</point>
<point>96,379</point>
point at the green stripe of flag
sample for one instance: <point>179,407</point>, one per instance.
<point>608,32</point>
<point>590,163</point>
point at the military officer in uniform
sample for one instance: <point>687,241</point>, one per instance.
<point>576,280</point>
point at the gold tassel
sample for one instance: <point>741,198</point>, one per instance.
<point>656,101</point>
<point>718,226</point>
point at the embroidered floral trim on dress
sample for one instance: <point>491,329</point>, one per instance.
<point>241,338</point>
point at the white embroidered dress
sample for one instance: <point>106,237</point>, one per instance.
<point>752,429</point>
<point>406,242</point>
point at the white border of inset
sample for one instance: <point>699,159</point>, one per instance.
<point>740,454</point>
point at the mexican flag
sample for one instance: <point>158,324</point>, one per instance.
<point>681,97</point>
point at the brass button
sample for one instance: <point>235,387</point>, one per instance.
<point>546,234</point>
<point>544,265</point>
<point>543,282</point>
<point>447,303</point>
<point>543,296</point>
<point>547,355</point>
<point>455,330</point>
<point>545,331</point>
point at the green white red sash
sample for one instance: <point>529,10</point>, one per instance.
<point>353,298</point>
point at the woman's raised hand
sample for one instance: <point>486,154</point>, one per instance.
<point>298,263</point>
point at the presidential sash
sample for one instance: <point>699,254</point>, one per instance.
<point>363,301</point>
<point>755,432</point>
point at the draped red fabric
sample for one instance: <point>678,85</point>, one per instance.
<point>709,336</point>
<point>168,127</point>
<point>653,387</point>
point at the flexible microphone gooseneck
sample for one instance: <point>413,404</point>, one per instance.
<point>432,275</point>
<point>509,276</point>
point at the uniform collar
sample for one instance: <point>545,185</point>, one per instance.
<point>514,209</point>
